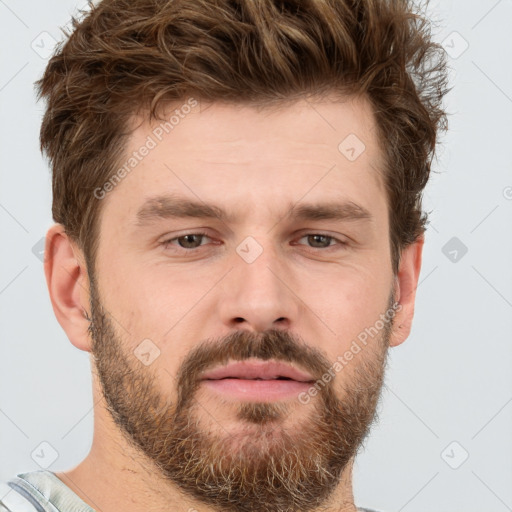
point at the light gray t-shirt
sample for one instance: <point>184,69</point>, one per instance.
<point>43,491</point>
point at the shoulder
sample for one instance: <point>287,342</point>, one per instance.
<point>39,491</point>
<point>18,495</point>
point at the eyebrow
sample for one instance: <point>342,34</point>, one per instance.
<point>168,207</point>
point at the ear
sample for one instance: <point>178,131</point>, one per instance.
<point>406,283</point>
<point>68,285</point>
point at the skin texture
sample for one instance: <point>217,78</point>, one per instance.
<point>303,299</point>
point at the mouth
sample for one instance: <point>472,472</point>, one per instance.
<point>257,381</point>
<point>258,370</point>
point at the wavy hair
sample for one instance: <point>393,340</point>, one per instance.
<point>127,57</point>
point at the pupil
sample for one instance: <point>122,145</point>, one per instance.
<point>318,239</point>
<point>189,241</point>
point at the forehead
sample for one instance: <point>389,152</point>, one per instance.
<point>223,127</point>
<point>324,148</point>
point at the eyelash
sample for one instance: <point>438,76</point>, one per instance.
<point>167,243</point>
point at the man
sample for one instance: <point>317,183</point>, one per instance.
<point>237,195</point>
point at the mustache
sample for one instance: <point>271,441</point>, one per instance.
<point>241,345</point>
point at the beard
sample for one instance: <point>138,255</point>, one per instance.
<point>264,465</point>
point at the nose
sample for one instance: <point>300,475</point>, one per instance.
<point>258,296</point>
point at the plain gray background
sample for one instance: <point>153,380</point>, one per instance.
<point>444,440</point>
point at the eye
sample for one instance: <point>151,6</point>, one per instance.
<point>186,242</point>
<point>191,241</point>
<point>321,241</point>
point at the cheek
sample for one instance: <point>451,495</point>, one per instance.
<point>160,304</point>
<point>347,304</point>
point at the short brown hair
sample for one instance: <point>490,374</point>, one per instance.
<point>136,56</point>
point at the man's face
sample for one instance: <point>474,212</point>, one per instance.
<point>176,297</point>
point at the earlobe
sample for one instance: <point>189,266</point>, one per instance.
<point>406,284</point>
<point>68,285</point>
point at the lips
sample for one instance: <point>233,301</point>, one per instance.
<point>258,370</point>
